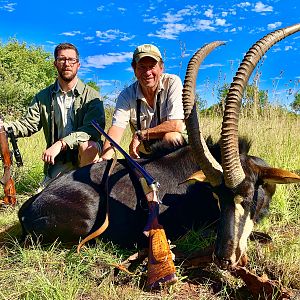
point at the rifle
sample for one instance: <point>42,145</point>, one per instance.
<point>7,182</point>
<point>16,151</point>
<point>161,269</point>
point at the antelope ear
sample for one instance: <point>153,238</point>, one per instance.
<point>278,176</point>
<point>198,176</point>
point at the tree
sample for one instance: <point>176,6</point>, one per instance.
<point>222,93</point>
<point>23,72</point>
<point>295,105</point>
<point>253,101</point>
<point>254,97</point>
<point>94,85</point>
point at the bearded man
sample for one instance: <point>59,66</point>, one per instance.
<point>64,111</point>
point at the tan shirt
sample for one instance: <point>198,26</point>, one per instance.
<point>171,108</point>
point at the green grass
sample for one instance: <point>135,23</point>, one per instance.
<point>57,272</point>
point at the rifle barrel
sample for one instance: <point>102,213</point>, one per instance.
<point>150,180</point>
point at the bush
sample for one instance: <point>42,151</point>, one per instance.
<point>23,72</point>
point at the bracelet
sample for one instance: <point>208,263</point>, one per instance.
<point>63,147</point>
<point>140,135</point>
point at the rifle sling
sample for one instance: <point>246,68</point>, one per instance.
<point>105,224</point>
<point>138,112</point>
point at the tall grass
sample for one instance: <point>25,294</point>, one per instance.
<point>56,272</point>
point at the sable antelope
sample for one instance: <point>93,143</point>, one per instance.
<point>74,205</point>
<point>242,184</point>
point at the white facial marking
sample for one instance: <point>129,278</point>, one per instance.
<point>240,244</point>
<point>238,215</point>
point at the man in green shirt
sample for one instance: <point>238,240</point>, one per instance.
<point>64,111</point>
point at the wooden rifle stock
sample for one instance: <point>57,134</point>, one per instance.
<point>6,180</point>
<point>161,269</point>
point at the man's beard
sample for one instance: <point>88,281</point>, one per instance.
<point>66,78</point>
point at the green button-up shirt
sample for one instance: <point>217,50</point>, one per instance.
<point>87,107</point>
<point>40,115</point>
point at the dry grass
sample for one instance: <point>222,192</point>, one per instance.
<point>59,273</point>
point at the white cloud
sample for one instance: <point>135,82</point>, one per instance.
<point>220,22</point>
<point>172,18</point>
<point>204,25</point>
<point>109,35</point>
<point>154,20</point>
<point>102,60</point>
<point>105,82</point>
<point>243,4</point>
<point>176,23</point>
<point>209,13</point>
<point>274,25</point>
<point>122,9</point>
<point>287,48</point>
<point>71,33</point>
<point>170,31</point>
<point>276,49</point>
<point>172,28</point>
<point>76,12</point>
<point>210,66</point>
<point>112,34</point>
<point>261,8</point>
<point>8,6</point>
<point>100,8</point>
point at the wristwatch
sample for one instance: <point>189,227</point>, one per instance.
<point>139,135</point>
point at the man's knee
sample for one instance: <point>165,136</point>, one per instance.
<point>174,138</point>
<point>88,152</point>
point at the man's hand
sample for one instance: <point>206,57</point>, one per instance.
<point>50,153</point>
<point>134,147</point>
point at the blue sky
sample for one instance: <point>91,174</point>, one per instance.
<point>107,32</point>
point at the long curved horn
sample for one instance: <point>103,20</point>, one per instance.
<point>211,168</point>
<point>233,171</point>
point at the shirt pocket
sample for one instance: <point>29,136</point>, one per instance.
<point>143,121</point>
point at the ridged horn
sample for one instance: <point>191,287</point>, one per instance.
<point>211,168</point>
<point>233,171</point>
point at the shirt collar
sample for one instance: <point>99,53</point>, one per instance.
<point>77,89</point>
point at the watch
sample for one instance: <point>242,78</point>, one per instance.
<point>139,135</point>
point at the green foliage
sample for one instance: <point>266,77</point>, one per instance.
<point>222,93</point>
<point>296,103</point>
<point>94,85</point>
<point>24,70</point>
<point>254,101</point>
